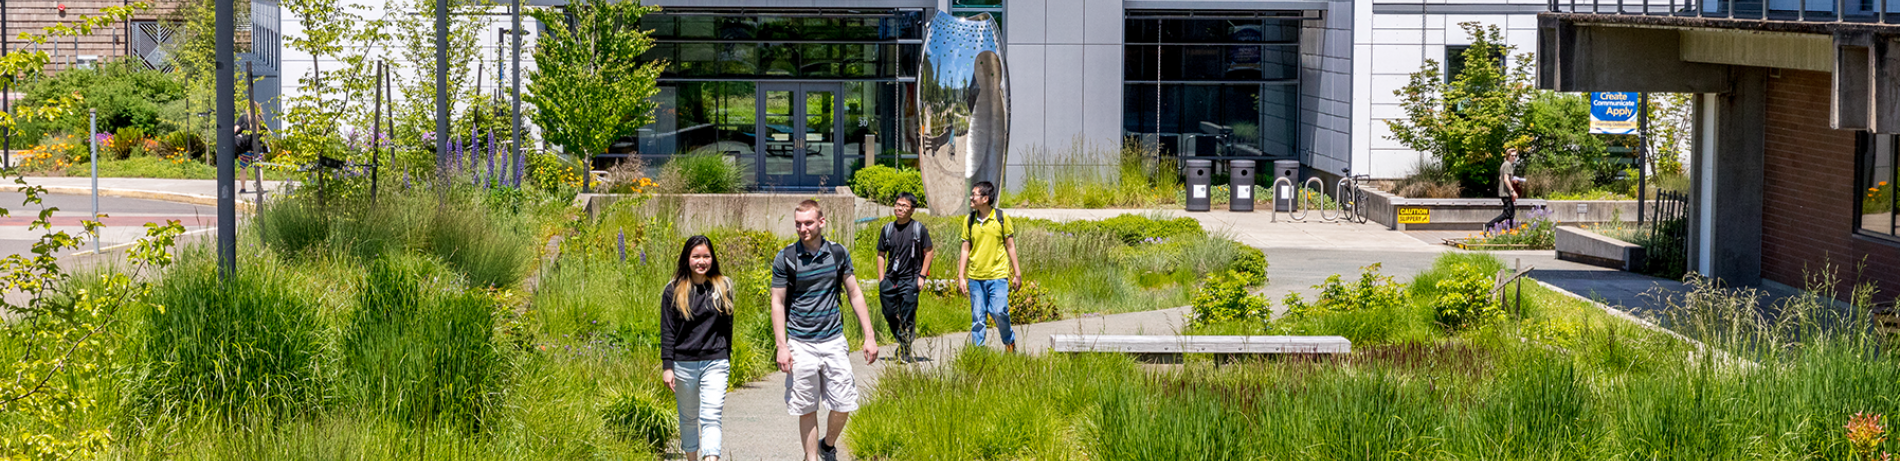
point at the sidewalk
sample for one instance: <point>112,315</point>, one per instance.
<point>192,191</point>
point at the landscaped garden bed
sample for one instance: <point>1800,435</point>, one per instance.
<point>1438,371</point>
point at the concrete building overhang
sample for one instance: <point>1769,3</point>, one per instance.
<point>1580,52</point>
<point>796,4</point>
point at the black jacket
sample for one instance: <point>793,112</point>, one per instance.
<point>707,336</point>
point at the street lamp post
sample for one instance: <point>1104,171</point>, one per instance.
<point>226,37</point>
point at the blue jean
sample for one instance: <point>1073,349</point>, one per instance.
<point>699,389</point>
<point>990,297</point>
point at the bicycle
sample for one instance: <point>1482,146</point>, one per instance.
<point>1351,197</point>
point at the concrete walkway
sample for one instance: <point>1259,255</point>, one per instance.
<point>1299,256</point>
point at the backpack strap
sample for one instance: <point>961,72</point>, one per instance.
<point>838,255</point>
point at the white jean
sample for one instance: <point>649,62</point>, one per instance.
<point>699,389</point>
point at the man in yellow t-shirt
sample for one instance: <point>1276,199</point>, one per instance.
<point>988,268</point>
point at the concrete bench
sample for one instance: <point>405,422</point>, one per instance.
<point>1226,346</point>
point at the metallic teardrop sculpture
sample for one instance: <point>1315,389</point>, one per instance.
<point>963,103</point>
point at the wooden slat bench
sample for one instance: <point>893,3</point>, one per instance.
<point>1224,346</point>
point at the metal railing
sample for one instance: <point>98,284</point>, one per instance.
<point>1849,11</point>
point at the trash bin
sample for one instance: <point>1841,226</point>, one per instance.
<point>1200,174</point>
<point>1283,194</point>
<point>1241,185</point>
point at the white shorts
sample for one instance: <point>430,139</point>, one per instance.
<point>820,369</point>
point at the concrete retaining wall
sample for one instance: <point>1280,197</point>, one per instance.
<point>1471,213</point>
<point>1577,244</point>
<point>770,212</point>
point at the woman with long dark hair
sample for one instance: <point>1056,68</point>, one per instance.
<point>696,345</point>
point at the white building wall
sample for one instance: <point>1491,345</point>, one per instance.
<point>296,64</point>
<point>1400,38</point>
<point>1065,76</point>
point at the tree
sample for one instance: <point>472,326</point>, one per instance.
<point>1466,122</point>
<point>1671,123</point>
<point>57,334</point>
<point>332,99</point>
<point>589,87</point>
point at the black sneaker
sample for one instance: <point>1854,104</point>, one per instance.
<point>826,451</point>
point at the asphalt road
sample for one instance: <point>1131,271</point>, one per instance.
<point>124,222</point>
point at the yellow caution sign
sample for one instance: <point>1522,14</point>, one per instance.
<point>1415,216</point>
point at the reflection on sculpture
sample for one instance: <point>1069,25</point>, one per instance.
<point>963,105</point>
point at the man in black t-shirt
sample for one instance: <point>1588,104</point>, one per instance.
<point>903,261</point>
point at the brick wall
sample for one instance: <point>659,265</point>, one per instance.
<point>1808,193</point>
<point>108,43</point>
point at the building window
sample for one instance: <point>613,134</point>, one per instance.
<point>1455,61</point>
<point>1877,181</point>
<point>1213,86</point>
<point>967,8</point>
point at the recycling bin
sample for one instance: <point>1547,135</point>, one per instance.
<point>1240,186</point>
<point>1282,193</point>
<point>1200,175</point>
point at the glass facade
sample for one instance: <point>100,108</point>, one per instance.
<point>789,96</point>
<point>1211,86</point>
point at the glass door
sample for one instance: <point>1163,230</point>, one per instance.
<point>798,132</point>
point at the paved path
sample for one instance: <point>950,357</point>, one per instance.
<point>1299,256</point>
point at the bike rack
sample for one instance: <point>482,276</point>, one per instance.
<point>1274,210</point>
<point>1346,187</point>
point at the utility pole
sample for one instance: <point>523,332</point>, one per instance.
<point>441,100</point>
<point>226,38</point>
<point>376,134</point>
<point>515,99</point>
<point>6,93</point>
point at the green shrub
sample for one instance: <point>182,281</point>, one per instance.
<point>642,417</point>
<point>126,93</point>
<point>247,344</point>
<point>1224,298</point>
<point>701,173</point>
<point>881,184</point>
<point>125,142</point>
<point>1371,292</point>
<point>183,141</point>
<point>1251,262</point>
<point>1464,298</point>
<point>1032,304</point>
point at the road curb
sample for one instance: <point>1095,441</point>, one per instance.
<point>142,194</point>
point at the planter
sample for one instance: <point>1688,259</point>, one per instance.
<point>770,212</point>
<point>1403,213</point>
<point>1475,244</point>
<point>1579,245</point>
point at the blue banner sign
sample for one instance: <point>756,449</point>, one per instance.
<point>1613,113</point>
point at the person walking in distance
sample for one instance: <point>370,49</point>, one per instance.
<point>696,346</point>
<point>807,279</point>
<point>904,252</point>
<point>251,147</point>
<point>1507,190</point>
<point>987,268</point>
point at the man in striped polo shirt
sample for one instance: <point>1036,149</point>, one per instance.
<point>807,278</point>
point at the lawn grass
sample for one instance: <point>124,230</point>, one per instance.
<point>1564,380</point>
<point>145,166</point>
